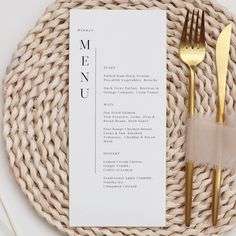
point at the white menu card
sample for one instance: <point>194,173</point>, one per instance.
<point>117,141</point>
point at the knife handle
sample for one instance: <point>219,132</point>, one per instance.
<point>217,175</point>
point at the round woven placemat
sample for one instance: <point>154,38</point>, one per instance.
<point>36,117</point>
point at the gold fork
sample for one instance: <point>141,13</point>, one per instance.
<point>192,52</point>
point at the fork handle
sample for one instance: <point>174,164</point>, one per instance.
<point>191,90</point>
<point>188,191</point>
<point>189,162</point>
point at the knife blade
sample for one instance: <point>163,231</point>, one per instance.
<point>222,59</point>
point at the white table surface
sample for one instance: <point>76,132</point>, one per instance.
<point>16,18</point>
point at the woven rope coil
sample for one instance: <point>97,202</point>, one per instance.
<point>36,117</point>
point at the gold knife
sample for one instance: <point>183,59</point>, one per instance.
<point>222,58</point>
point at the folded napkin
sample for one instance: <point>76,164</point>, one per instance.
<point>210,143</point>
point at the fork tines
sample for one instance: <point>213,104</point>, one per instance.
<point>187,37</point>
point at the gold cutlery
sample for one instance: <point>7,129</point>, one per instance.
<point>222,58</point>
<point>192,52</point>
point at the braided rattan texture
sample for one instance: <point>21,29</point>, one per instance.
<point>36,117</point>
